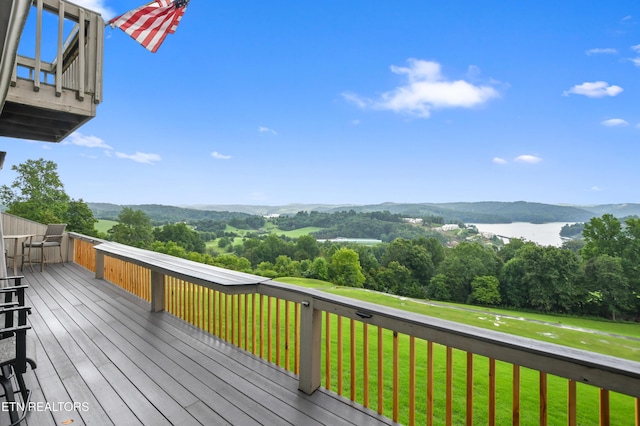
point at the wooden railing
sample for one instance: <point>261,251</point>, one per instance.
<point>77,65</point>
<point>411,368</point>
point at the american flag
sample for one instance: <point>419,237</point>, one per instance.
<point>150,24</point>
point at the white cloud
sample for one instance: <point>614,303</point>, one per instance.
<point>218,156</point>
<point>597,188</point>
<point>636,48</point>
<point>498,160</point>
<point>599,51</point>
<point>614,122</point>
<point>263,129</point>
<point>140,157</point>
<point>636,61</point>
<point>98,6</point>
<point>77,138</point>
<point>531,159</point>
<point>596,89</point>
<point>426,89</point>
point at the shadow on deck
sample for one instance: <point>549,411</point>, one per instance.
<point>103,358</point>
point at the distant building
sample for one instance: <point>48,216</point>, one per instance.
<point>352,240</point>
<point>271,216</point>
<point>449,227</point>
<point>412,220</point>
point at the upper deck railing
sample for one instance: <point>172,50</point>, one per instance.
<point>52,95</point>
<point>412,368</point>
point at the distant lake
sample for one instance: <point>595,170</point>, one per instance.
<point>544,234</point>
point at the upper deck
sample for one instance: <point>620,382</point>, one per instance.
<point>46,95</point>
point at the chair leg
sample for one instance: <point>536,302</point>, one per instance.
<point>61,258</point>
<point>7,386</point>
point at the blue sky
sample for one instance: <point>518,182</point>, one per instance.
<point>361,102</point>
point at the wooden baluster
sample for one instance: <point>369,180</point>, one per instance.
<point>327,352</point>
<point>339,354</point>
<point>449,390</point>
<point>492,391</point>
<point>380,371</point>
<point>429,383</point>
<point>296,334</point>
<point>604,407</point>
<point>278,332</point>
<point>571,402</point>
<point>412,380</point>
<point>543,399</point>
<point>287,337</point>
<point>365,363</point>
<point>352,359</point>
<point>516,396</point>
<point>396,375</point>
<point>469,388</point>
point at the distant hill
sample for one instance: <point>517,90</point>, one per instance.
<point>470,212</point>
<point>163,214</point>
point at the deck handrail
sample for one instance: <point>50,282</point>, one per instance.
<point>77,65</point>
<point>311,306</point>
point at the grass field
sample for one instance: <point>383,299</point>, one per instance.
<point>104,225</point>
<point>574,332</point>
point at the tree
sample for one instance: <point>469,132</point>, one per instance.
<point>603,236</point>
<point>465,262</point>
<point>182,235</point>
<point>79,218</point>
<point>485,290</point>
<point>552,277</point>
<point>606,281</point>
<point>38,194</point>
<point>412,256</point>
<point>133,228</point>
<point>345,269</point>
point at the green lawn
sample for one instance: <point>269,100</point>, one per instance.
<point>104,225</point>
<point>622,407</point>
<point>568,331</point>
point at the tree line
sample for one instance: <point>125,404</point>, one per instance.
<point>599,279</point>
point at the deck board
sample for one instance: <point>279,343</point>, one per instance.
<point>100,345</point>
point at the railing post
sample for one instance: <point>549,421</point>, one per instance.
<point>99,264</point>
<point>157,291</point>
<point>310,348</point>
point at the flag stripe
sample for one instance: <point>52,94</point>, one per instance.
<point>150,24</point>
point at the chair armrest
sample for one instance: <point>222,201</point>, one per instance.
<point>11,278</point>
<point>11,330</point>
<point>7,305</point>
<point>13,289</point>
<point>16,308</point>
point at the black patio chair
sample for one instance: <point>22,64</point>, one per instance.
<point>16,348</point>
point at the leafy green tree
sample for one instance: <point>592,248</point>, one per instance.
<point>319,269</point>
<point>465,262</point>
<point>603,236</point>
<point>553,277</point>
<point>605,276</point>
<point>398,279</point>
<point>79,218</point>
<point>414,257</point>
<point>306,247</point>
<point>438,288</point>
<point>485,290</point>
<point>180,234</point>
<point>513,292</point>
<point>133,228</point>
<point>345,269</point>
<point>38,194</point>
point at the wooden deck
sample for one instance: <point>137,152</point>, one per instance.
<point>101,349</point>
